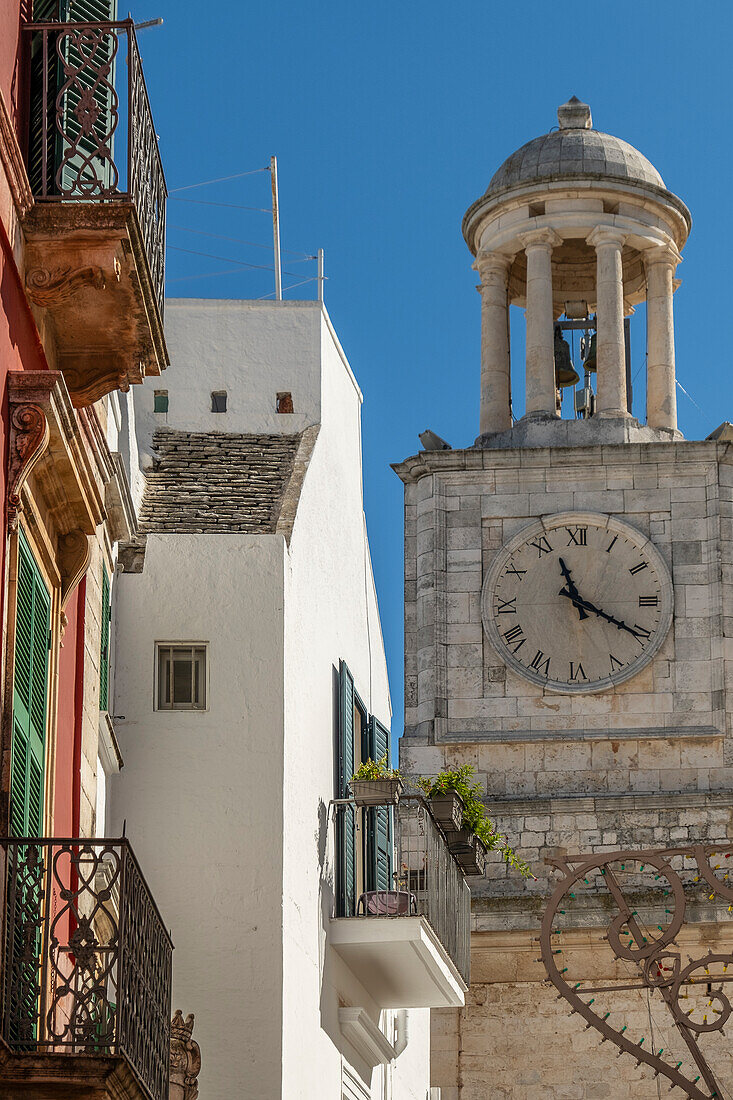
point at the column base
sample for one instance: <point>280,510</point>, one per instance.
<point>614,414</point>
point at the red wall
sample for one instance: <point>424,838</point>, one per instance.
<point>21,349</point>
<point>68,726</point>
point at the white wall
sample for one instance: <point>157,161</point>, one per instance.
<point>230,808</point>
<point>202,792</point>
<point>253,350</point>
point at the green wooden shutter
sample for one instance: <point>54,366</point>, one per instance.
<point>30,696</point>
<point>104,646</point>
<point>346,833</point>
<point>89,171</point>
<point>380,823</point>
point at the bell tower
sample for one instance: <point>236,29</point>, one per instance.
<point>569,601</point>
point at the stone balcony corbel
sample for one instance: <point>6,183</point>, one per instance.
<point>85,269</point>
<point>48,459</point>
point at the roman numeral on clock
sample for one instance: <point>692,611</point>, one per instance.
<point>507,607</point>
<point>577,672</point>
<point>648,601</point>
<point>609,548</point>
<point>510,569</point>
<point>578,536</point>
<point>638,568</point>
<point>615,663</point>
<point>515,635</point>
<point>541,663</point>
<point>542,546</point>
<point>642,631</point>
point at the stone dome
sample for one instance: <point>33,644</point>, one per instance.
<point>574,150</point>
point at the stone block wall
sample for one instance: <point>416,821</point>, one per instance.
<point>664,729</point>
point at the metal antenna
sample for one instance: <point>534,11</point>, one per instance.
<point>320,274</point>
<point>148,23</point>
<point>276,231</point>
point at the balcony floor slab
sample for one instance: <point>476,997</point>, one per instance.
<point>399,960</point>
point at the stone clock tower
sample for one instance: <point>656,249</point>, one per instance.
<point>569,599</point>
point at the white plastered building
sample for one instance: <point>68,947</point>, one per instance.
<point>240,614</point>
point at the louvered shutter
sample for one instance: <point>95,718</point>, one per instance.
<point>88,172</point>
<point>30,696</point>
<point>104,644</point>
<point>380,820</point>
<point>346,834</point>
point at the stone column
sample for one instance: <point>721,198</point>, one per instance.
<point>540,384</point>
<point>661,397</point>
<point>611,376</point>
<point>493,267</point>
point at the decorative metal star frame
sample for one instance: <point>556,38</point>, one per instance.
<point>642,932</point>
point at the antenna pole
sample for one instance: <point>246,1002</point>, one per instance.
<point>276,231</point>
<point>320,274</point>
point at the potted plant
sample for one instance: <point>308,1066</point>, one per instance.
<point>446,804</point>
<point>374,784</point>
<point>470,838</point>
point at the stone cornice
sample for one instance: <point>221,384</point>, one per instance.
<point>12,162</point>
<point>425,463</point>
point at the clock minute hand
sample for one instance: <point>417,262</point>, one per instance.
<point>575,595</point>
<point>597,611</point>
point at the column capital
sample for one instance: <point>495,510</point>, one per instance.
<point>662,254</point>
<point>606,235</point>
<point>492,266</point>
<point>540,238</point>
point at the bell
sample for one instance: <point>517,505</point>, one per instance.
<point>565,372</point>
<point>589,363</point>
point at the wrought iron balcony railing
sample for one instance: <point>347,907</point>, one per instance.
<point>399,866</point>
<point>92,137</point>
<point>86,957</point>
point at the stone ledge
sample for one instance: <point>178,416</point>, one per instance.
<point>582,804</point>
<point>643,733</point>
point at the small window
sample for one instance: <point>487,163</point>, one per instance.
<point>219,401</point>
<point>181,671</point>
<point>160,401</point>
<point>285,403</point>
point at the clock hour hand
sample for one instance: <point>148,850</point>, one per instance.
<point>597,611</point>
<point>574,594</point>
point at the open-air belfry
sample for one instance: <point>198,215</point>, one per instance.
<point>569,633</point>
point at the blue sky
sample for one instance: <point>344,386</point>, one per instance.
<point>388,120</point>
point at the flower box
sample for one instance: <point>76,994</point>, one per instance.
<point>469,852</point>
<point>376,792</point>
<point>447,809</point>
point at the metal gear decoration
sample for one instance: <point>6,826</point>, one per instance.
<point>641,933</point>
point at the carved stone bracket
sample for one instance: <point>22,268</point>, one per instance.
<point>49,288</point>
<point>185,1059</point>
<point>45,439</point>
<point>28,393</point>
<point>74,553</point>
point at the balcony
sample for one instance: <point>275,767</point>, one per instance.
<point>407,941</point>
<point>95,236</point>
<point>86,974</point>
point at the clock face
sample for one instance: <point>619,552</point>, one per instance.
<point>577,602</point>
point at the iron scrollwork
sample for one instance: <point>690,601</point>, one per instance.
<point>636,881</point>
<point>87,959</point>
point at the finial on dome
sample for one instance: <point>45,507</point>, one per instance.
<point>574,115</point>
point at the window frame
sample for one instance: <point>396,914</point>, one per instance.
<point>179,709</point>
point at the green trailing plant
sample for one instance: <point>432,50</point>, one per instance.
<point>475,818</point>
<point>376,769</point>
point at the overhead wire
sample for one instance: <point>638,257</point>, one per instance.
<point>228,205</point>
<point>221,179</point>
<point>227,260</point>
<point>240,240</point>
